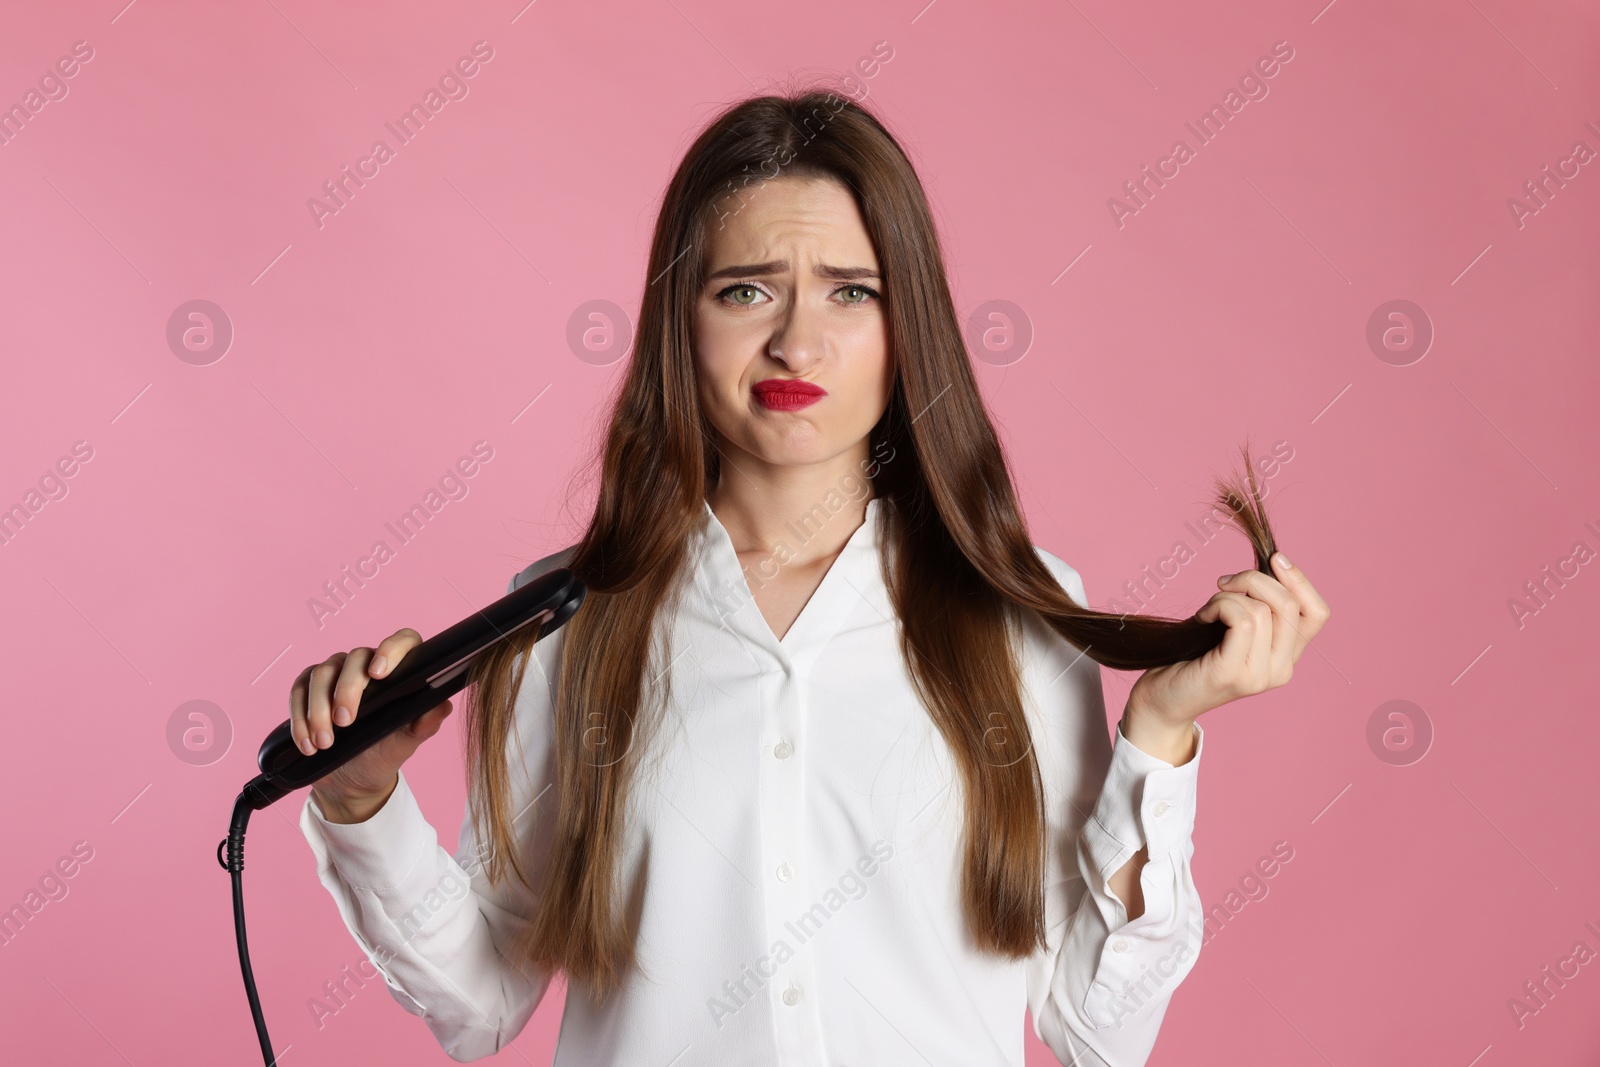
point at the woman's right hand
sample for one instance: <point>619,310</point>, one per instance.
<point>329,693</point>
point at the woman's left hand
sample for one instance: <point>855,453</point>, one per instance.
<point>1270,621</point>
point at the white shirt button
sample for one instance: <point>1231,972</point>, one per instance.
<point>1160,807</point>
<point>784,873</point>
<point>791,996</point>
<point>783,750</point>
<point>1120,945</point>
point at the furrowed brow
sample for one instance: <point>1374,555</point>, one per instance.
<point>779,266</point>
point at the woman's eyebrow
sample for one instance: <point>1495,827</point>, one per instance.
<point>779,266</point>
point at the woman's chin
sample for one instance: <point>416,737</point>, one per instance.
<point>797,450</point>
<point>789,438</point>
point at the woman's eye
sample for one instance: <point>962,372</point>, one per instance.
<point>750,289</point>
<point>862,289</point>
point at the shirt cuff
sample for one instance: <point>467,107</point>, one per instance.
<point>1146,802</point>
<point>376,854</point>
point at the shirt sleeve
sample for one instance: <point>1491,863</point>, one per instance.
<point>431,923</point>
<point>1100,986</point>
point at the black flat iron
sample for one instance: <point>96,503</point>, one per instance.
<point>427,676</point>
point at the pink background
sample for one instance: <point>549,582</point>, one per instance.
<point>432,310</point>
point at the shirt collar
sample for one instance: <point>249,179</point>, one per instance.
<point>853,582</point>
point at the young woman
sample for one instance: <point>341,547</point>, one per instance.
<point>820,772</point>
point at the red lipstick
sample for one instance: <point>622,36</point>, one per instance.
<point>787,394</point>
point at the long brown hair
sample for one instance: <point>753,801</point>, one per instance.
<point>951,511</point>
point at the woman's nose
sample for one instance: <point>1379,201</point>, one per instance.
<point>797,341</point>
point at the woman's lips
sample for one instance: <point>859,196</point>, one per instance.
<point>787,394</point>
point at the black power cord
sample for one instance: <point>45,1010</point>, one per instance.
<point>234,865</point>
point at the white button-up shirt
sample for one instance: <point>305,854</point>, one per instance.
<point>793,858</point>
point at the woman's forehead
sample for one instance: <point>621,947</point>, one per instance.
<point>815,219</point>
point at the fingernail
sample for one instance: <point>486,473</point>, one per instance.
<point>324,739</point>
<point>379,664</point>
<point>307,747</point>
<point>1283,561</point>
<point>1224,579</point>
<point>341,715</point>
